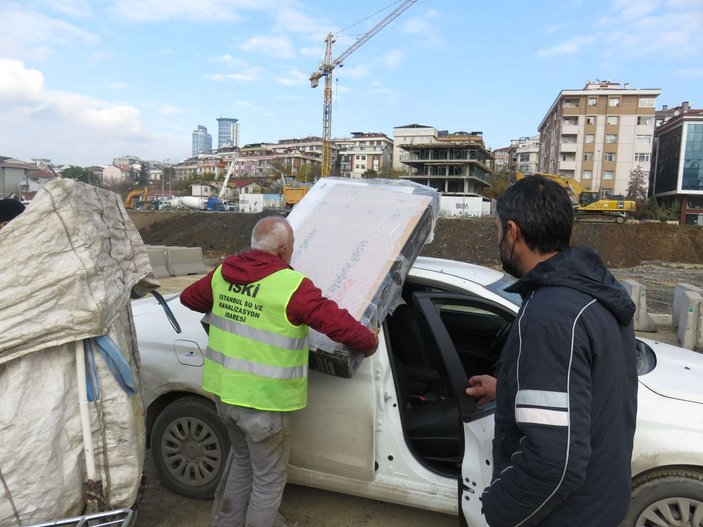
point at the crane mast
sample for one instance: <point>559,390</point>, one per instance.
<point>325,70</point>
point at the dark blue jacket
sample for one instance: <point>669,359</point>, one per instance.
<point>566,399</point>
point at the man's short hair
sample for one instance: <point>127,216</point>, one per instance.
<point>543,211</point>
<point>10,209</point>
<point>270,233</point>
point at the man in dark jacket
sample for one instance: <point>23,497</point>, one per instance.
<point>259,310</point>
<point>566,394</point>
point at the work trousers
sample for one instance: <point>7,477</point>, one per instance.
<point>252,483</point>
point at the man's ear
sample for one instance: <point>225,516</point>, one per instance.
<point>513,231</point>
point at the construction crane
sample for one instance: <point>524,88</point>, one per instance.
<point>325,70</point>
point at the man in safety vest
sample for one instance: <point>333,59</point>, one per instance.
<point>259,310</point>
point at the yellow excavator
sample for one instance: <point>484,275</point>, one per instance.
<point>589,204</point>
<point>134,196</point>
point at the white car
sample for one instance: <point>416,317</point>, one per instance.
<point>402,429</point>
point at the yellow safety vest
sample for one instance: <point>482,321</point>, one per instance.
<point>255,356</point>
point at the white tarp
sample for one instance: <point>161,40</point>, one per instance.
<point>69,264</point>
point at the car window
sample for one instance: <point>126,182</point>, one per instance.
<point>646,359</point>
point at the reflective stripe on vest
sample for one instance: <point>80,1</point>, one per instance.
<point>256,357</point>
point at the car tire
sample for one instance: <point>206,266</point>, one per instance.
<point>190,446</point>
<point>666,497</point>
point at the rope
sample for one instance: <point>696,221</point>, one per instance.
<point>365,19</point>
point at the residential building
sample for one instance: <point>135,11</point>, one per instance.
<point>455,164</point>
<point>21,179</point>
<point>362,152</point>
<point>408,135</point>
<point>125,163</point>
<point>598,135</point>
<point>227,132</point>
<point>201,141</point>
<point>676,175</point>
<point>303,157</point>
<point>525,153</point>
<point>501,159</point>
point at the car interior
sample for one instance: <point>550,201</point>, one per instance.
<point>429,413</point>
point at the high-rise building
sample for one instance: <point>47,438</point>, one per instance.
<point>202,141</point>
<point>598,135</point>
<point>676,175</point>
<point>227,132</point>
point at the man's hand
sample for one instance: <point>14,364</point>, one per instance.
<point>483,388</point>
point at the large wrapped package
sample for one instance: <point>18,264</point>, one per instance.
<point>70,263</point>
<point>356,240</point>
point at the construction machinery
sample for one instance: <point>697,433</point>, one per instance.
<point>136,197</point>
<point>325,70</point>
<point>589,204</point>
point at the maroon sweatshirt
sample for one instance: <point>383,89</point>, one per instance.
<point>306,306</point>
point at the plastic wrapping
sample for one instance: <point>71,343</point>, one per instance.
<point>356,240</point>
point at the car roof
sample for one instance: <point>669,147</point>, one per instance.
<point>475,273</point>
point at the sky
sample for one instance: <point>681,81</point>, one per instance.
<point>85,81</point>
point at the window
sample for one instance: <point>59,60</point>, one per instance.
<point>609,156</point>
<point>613,120</point>
<point>644,139</point>
<point>614,102</point>
<point>524,158</point>
<point>608,174</point>
<point>590,119</point>
<point>587,174</point>
<point>588,156</point>
<point>571,103</point>
<point>643,120</point>
<point>641,158</point>
<point>589,138</point>
<point>592,101</point>
<point>611,138</point>
<point>647,103</point>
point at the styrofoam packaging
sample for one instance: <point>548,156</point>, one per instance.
<point>356,240</point>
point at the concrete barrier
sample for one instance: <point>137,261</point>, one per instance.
<point>679,301</point>
<point>638,293</point>
<point>690,321</point>
<point>182,261</point>
<point>158,259</point>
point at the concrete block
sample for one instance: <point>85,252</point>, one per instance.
<point>182,261</point>
<point>158,256</point>
<point>638,293</point>
<point>679,300</point>
<point>689,320</point>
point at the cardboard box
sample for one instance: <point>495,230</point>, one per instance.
<point>356,240</point>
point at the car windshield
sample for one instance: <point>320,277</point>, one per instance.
<point>498,287</point>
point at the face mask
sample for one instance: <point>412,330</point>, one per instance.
<point>507,259</point>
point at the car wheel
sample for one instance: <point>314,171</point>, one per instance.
<point>190,445</point>
<point>671,497</point>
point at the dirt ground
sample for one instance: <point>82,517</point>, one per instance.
<point>658,256</point>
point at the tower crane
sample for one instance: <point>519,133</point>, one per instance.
<point>325,70</point>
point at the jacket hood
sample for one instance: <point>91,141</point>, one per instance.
<point>582,269</point>
<point>250,266</point>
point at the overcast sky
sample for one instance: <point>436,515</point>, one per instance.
<point>84,81</point>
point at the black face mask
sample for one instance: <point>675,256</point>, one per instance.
<point>507,261</point>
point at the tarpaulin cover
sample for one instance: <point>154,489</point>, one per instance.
<point>69,264</point>
<point>356,240</point>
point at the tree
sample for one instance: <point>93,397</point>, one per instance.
<point>500,181</point>
<point>388,172</point>
<point>81,174</point>
<point>369,174</point>
<point>637,191</point>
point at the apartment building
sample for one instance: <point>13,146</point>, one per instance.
<point>525,154</point>
<point>598,135</point>
<point>676,175</point>
<point>408,135</point>
<point>363,151</point>
<point>453,163</point>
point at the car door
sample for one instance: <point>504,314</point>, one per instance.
<point>469,333</point>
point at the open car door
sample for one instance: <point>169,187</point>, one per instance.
<point>469,333</point>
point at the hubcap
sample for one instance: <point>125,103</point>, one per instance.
<point>672,512</point>
<point>191,451</point>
